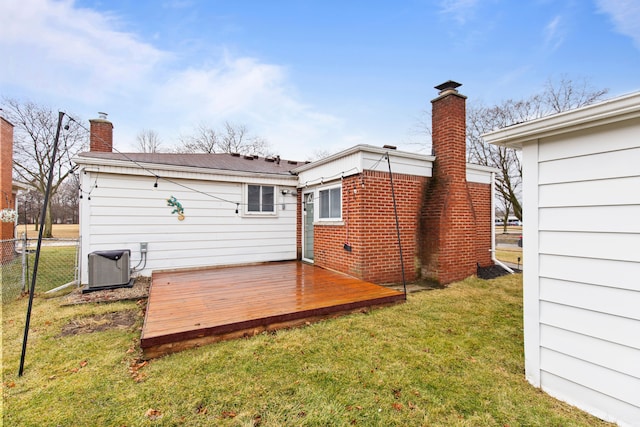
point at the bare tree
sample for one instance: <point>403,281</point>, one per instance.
<point>566,94</point>
<point>148,141</point>
<point>508,182</point>
<point>319,153</point>
<point>236,139</point>
<point>204,140</point>
<point>232,139</point>
<point>31,201</point>
<point>34,136</point>
<point>556,97</point>
<point>64,206</point>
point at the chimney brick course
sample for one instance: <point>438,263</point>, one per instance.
<point>101,138</point>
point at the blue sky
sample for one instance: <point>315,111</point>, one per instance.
<point>307,76</point>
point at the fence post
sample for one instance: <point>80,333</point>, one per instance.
<point>24,262</point>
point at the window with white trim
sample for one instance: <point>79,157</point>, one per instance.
<point>331,203</point>
<point>261,199</point>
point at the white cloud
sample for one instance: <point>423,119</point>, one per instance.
<point>83,62</point>
<point>55,48</point>
<point>460,10</point>
<point>243,90</point>
<point>554,33</point>
<point>625,15</point>
<point>231,86</point>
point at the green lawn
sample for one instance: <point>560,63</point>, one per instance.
<point>449,357</point>
<point>55,267</point>
<point>510,255</point>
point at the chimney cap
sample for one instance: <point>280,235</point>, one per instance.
<point>102,116</point>
<point>448,85</point>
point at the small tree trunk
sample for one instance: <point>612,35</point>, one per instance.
<point>48,228</point>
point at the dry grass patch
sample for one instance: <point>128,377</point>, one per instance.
<point>59,231</point>
<point>510,255</point>
<point>100,322</point>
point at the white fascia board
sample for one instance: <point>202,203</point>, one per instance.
<point>17,186</point>
<point>625,107</point>
<point>124,167</point>
<point>362,148</point>
<point>480,174</point>
<point>481,168</point>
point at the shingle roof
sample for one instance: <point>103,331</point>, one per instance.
<point>222,161</point>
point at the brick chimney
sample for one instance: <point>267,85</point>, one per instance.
<point>101,138</point>
<point>449,130</point>
<point>448,224</point>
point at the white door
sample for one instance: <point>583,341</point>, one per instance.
<point>307,227</point>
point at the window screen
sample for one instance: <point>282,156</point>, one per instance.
<point>261,198</point>
<point>330,203</point>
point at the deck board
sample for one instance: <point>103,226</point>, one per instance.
<point>190,308</point>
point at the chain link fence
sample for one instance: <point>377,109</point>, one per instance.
<point>58,265</point>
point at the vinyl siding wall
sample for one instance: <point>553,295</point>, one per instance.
<point>582,286</point>
<point>125,210</point>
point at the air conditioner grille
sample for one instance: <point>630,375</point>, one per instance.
<point>109,269</point>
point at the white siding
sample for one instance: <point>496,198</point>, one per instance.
<point>355,161</point>
<point>347,165</point>
<point>604,193</point>
<point>592,401</point>
<point>581,198</point>
<point>399,164</point>
<point>586,235</point>
<point>125,210</point>
<point>478,176</point>
<point>598,166</point>
<point>531,291</point>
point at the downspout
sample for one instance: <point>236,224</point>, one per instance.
<point>493,225</point>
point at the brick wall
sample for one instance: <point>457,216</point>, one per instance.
<point>6,185</point>
<point>369,227</point>
<point>101,135</point>
<point>445,221</point>
<point>481,198</point>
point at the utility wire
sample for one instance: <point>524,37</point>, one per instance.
<point>221,199</point>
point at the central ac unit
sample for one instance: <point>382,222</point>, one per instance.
<point>109,269</point>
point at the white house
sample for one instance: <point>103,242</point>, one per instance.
<point>339,213</point>
<point>237,209</point>
<point>581,195</point>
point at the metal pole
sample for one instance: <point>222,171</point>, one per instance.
<point>395,211</point>
<point>24,262</point>
<point>35,263</point>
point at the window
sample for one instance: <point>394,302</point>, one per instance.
<point>260,198</point>
<point>331,203</point>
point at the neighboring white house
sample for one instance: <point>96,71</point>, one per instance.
<point>581,198</point>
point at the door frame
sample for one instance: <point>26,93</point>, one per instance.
<point>303,213</point>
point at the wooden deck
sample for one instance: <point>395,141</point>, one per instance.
<point>196,307</point>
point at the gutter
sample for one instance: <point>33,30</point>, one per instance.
<point>493,225</point>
